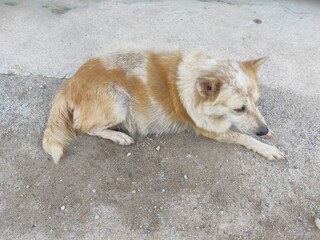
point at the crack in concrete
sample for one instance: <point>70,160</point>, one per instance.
<point>287,9</point>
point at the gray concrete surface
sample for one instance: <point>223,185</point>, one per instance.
<point>192,188</point>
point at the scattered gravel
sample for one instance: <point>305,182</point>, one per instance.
<point>317,222</point>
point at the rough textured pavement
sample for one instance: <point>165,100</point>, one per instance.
<point>190,187</point>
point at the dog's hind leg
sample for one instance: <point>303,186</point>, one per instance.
<point>106,110</point>
<point>115,136</point>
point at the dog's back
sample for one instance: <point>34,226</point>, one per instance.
<point>136,91</point>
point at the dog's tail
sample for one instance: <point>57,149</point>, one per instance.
<point>59,131</point>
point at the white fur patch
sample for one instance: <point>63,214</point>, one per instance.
<point>241,79</point>
<point>156,122</point>
<point>188,72</point>
<point>122,102</point>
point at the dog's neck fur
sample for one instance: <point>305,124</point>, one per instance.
<point>188,73</point>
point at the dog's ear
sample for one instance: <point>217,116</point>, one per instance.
<point>208,86</point>
<point>253,65</point>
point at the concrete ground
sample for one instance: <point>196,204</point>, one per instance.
<point>190,187</point>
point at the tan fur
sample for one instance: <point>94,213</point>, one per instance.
<point>162,77</point>
<point>59,131</point>
<point>154,92</point>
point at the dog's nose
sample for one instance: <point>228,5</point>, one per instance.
<point>262,131</point>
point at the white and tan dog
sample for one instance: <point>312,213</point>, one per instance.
<point>155,92</point>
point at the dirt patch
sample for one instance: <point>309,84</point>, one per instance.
<point>190,188</point>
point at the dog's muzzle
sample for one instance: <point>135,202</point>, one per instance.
<point>262,131</point>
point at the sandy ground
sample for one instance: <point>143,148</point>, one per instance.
<point>190,188</point>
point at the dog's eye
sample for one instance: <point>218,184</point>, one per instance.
<point>242,109</point>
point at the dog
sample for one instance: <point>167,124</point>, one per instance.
<point>147,91</point>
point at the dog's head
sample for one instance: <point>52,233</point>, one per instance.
<point>228,90</point>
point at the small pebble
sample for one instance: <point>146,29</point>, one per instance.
<point>317,222</point>
<point>257,21</point>
<point>96,217</point>
<point>68,75</point>
<point>27,186</point>
<point>128,154</point>
<point>63,208</point>
<point>42,86</point>
<point>158,148</point>
<point>185,177</point>
<point>94,190</point>
<point>25,105</point>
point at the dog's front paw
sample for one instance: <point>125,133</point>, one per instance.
<point>270,152</point>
